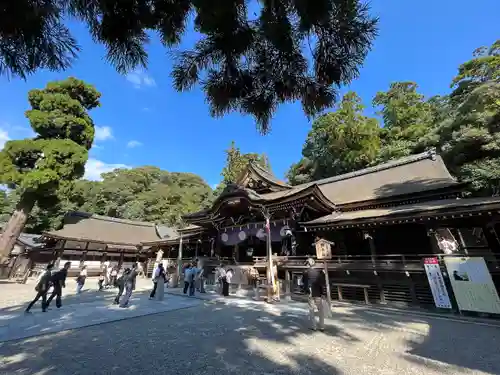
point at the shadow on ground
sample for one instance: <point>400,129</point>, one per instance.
<point>216,338</point>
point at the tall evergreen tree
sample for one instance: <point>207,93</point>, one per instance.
<point>38,167</point>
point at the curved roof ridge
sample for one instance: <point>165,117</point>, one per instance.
<point>431,154</point>
<point>270,175</point>
<point>88,215</point>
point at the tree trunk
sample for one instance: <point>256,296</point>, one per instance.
<point>15,225</point>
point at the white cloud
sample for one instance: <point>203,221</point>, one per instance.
<point>94,168</point>
<point>4,137</point>
<point>103,133</point>
<point>140,78</point>
<point>133,144</point>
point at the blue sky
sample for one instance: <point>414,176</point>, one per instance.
<point>143,121</point>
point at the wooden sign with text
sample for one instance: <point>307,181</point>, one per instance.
<point>323,249</point>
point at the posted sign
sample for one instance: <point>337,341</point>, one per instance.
<point>323,249</point>
<point>436,282</point>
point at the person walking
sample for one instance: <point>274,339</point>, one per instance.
<point>120,284</point>
<point>42,287</point>
<point>314,281</point>
<point>160,283</point>
<point>58,280</point>
<point>129,286</point>
<point>187,277</point>
<point>80,280</point>
<point>159,280</point>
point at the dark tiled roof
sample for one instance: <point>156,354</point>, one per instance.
<point>82,226</point>
<point>410,175</point>
<point>432,207</point>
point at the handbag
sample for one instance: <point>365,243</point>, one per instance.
<point>326,308</point>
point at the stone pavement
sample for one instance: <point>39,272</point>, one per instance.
<point>249,337</point>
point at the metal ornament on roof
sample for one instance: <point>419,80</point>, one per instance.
<point>224,237</point>
<point>261,234</point>
<point>242,235</point>
<point>283,230</point>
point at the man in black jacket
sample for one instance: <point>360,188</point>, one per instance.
<point>42,287</point>
<point>59,282</point>
<point>314,281</point>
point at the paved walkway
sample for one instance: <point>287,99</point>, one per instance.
<point>252,338</point>
<point>16,325</point>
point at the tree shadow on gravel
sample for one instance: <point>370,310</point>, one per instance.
<point>211,339</point>
<point>463,344</point>
<point>252,338</point>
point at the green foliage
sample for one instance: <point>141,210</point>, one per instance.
<point>339,142</point>
<point>464,126</point>
<point>470,136</point>
<point>237,162</point>
<point>59,152</point>
<point>144,194</point>
<point>408,118</point>
<point>250,57</point>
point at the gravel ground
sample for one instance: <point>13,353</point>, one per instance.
<point>215,338</point>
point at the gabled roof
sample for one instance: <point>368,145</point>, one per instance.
<point>256,173</point>
<point>86,227</point>
<point>270,200</point>
<point>413,174</point>
<point>450,207</point>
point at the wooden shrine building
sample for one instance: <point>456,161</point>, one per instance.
<point>382,222</point>
<point>93,239</point>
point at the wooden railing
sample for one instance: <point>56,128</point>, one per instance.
<point>362,262</point>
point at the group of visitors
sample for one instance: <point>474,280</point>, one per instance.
<point>193,278</point>
<point>48,279</point>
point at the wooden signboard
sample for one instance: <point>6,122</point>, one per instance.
<point>323,249</point>
<point>324,252</point>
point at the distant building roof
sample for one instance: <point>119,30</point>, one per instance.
<point>85,227</point>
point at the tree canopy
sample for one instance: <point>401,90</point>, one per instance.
<point>251,56</point>
<point>338,142</point>
<point>144,194</point>
<point>38,167</point>
<point>464,126</point>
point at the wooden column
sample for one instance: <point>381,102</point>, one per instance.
<point>179,263</point>
<point>462,242</point>
<point>371,244</point>
<point>288,286</point>
<point>120,262</point>
<point>58,254</point>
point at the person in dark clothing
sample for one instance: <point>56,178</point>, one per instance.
<point>42,287</point>
<point>314,281</point>
<point>120,284</point>
<point>129,286</point>
<point>59,282</point>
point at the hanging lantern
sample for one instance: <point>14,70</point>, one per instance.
<point>250,251</point>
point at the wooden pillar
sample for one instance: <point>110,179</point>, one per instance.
<point>288,285</point>
<point>462,242</point>
<point>371,244</point>
<point>122,256</point>
<point>179,263</point>
<point>58,254</point>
